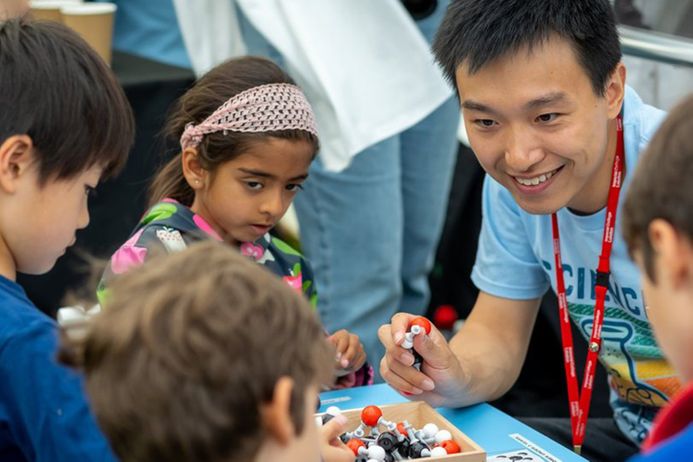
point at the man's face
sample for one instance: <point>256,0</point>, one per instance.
<point>538,128</point>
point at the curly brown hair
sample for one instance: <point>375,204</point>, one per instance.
<point>187,349</point>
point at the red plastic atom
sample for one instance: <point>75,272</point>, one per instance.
<point>401,429</point>
<point>444,317</point>
<point>451,447</point>
<point>422,322</point>
<point>370,415</point>
<point>354,444</point>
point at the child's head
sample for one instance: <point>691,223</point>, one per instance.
<point>205,356</point>
<point>247,137</point>
<point>64,123</point>
<point>658,228</point>
<point>540,84</point>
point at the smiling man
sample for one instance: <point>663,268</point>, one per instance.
<point>551,120</point>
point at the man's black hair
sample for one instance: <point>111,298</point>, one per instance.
<point>475,32</point>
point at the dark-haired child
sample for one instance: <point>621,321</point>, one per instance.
<point>65,124</point>
<point>247,137</point>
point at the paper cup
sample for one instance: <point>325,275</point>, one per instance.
<point>49,10</point>
<point>94,22</point>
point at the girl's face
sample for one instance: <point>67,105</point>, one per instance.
<point>245,197</point>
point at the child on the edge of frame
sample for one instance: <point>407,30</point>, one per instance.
<point>65,124</point>
<point>203,356</point>
<point>658,227</point>
<point>247,136</point>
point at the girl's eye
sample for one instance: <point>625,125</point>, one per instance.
<point>485,123</point>
<point>254,185</point>
<point>550,117</point>
<point>294,187</point>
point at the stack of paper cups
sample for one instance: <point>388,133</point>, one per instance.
<point>49,10</point>
<point>93,21</point>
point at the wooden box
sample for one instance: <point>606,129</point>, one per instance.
<point>418,413</point>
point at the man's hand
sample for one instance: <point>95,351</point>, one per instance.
<point>441,381</point>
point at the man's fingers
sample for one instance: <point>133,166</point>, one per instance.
<point>399,325</point>
<point>385,336</point>
<point>395,351</point>
<point>409,375</point>
<point>434,349</point>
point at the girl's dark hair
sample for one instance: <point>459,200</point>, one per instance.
<point>57,90</point>
<point>209,92</point>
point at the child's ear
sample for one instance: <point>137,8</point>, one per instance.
<point>673,250</point>
<point>16,156</point>
<point>193,171</point>
<point>615,90</point>
<point>276,414</point>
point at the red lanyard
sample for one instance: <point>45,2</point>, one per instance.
<point>580,403</point>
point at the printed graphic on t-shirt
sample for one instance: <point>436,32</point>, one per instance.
<point>641,379</point>
<point>638,373</point>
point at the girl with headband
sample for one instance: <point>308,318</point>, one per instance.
<point>247,137</point>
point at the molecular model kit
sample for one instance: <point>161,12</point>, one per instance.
<point>403,432</point>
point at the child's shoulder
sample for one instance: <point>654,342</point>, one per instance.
<point>279,256</point>
<point>283,248</point>
<point>21,319</point>
<point>172,217</point>
<point>165,212</point>
<point>287,262</point>
<point>640,120</point>
<point>678,447</point>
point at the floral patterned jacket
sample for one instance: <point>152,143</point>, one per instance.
<point>170,227</point>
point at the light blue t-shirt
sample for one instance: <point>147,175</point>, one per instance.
<point>515,260</point>
<point>150,29</point>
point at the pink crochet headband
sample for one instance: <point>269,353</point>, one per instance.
<point>271,107</point>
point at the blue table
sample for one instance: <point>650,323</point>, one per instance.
<point>495,431</point>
